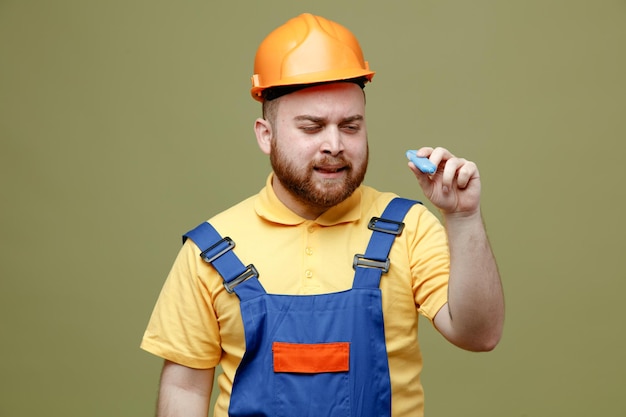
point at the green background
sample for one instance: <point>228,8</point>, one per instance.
<point>124,123</point>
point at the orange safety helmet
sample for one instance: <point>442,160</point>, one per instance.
<point>307,49</point>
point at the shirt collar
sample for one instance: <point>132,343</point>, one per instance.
<point>269,207</point>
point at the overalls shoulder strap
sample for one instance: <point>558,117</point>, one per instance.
<point>218,251</point>
<point>370,266</point>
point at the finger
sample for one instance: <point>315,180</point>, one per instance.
<point>440,155</point>
<point>467,172</point>
<point>423,179</point>
<point>424,151</point>
<point>451,171</point>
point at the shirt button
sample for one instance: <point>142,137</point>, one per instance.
<point>308,274</point>
<point>308,251</point>
<point>311,229</point>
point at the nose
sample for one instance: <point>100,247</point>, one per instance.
<point>332,143</point>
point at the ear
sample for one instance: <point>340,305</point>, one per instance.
<point>263,131</point>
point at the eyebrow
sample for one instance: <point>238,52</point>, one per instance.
<point>311,118</point>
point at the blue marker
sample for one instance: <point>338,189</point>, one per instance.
<point>423,164</point>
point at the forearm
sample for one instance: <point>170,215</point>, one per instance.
<point>184,392</point>
<point>475,296</point>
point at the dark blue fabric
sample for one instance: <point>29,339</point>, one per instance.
<point>228,264</point>
<point>380,243</point>
<point>353,316</point>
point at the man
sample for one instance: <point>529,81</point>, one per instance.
<point>323,320</point>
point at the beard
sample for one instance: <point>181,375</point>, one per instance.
<point>300,181</point>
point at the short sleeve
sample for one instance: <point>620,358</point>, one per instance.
<point>430,265</point>
<point>183,326</point>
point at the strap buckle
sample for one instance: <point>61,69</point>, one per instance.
<point>397,227</point>
<point>249,272</point>
<point>215,251</point>
<point>362,261</point>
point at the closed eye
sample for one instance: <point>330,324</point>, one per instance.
<point>352,124</point>
<point>310,128</point>
<point>351,128</point>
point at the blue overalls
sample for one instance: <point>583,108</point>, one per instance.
<point>311,355</point>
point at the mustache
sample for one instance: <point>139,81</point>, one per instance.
<point>332,160</point>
